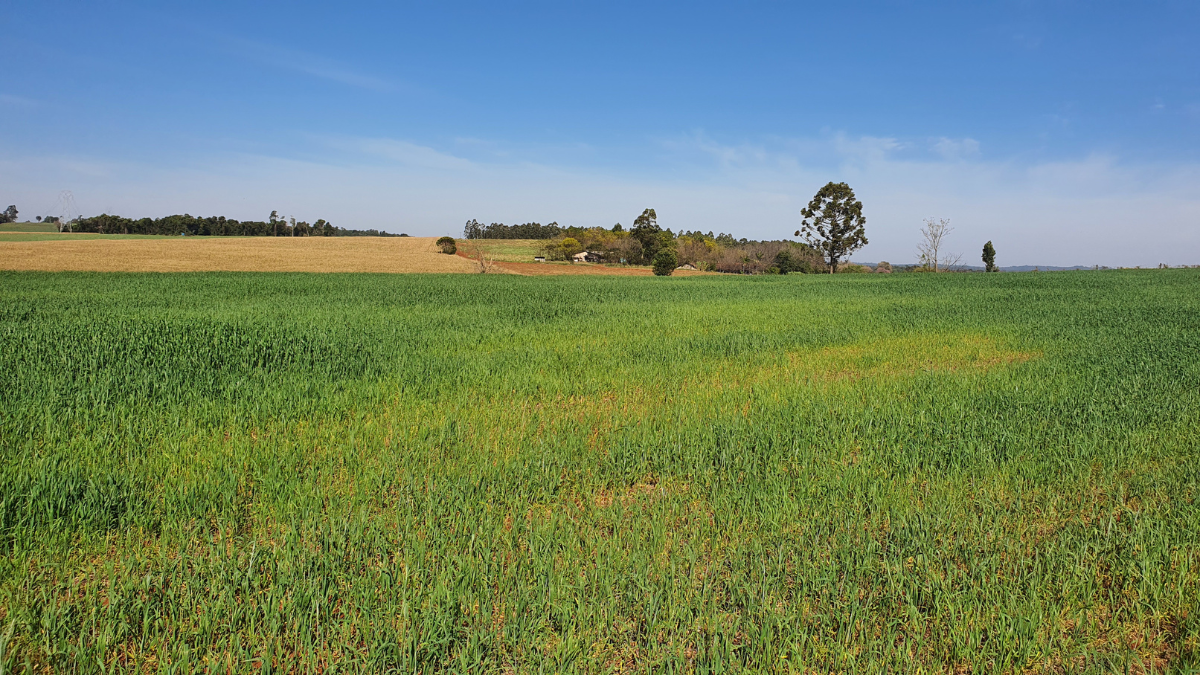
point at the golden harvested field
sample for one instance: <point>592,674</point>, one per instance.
<point>232,254</point>
<point>116,253</point>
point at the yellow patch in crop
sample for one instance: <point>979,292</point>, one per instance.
<point>641,493</point>
<point>882,358</point>
<point>908,356</point>
<point>506,425</point>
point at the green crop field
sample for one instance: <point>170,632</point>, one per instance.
<point>20,235</point>
<point>29,227</point>
<point>505,250</point>
<point>486,473</point>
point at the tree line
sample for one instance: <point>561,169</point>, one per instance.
<point>477,230</point>
<point>216,226</point>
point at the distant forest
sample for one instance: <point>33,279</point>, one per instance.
<point>216,226</point>
<point>477,230</point>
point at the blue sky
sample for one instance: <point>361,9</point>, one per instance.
<point>1065,132</point>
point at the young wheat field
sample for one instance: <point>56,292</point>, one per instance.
<point>239,472</point>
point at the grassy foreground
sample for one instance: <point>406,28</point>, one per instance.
<point>257,472</point>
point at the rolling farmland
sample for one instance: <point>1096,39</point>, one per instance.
<point>490,473</point>
<point>53,252</point>
<point>75,252</point>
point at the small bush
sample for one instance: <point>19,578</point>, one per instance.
<point>448,245</point>
<point>798,260</point>
<point>665,262</point>
<point>570,246</point>
<point>853,269</point>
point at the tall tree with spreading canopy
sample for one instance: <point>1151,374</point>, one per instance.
<point>989,257</point>
<point>646,231</point>
<point>833,223</point>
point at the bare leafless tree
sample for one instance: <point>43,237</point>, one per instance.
<point>932,246</point>
<point>486,264</point>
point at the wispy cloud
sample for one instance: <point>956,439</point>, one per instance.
<point>956,149</point>
<point>400,152</point>
<point>14,101</point>
<point>866,148</point>
<point>699,146</point>
<point>310,64</point>
<point>836,149</point>
<point>54,169</point>
<point>1028,41</point>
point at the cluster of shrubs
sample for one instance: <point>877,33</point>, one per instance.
<point>721,253</point>
<point>217,226</point>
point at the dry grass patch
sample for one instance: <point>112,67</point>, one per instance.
<point>909,355</point>
<point>233,254</point>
